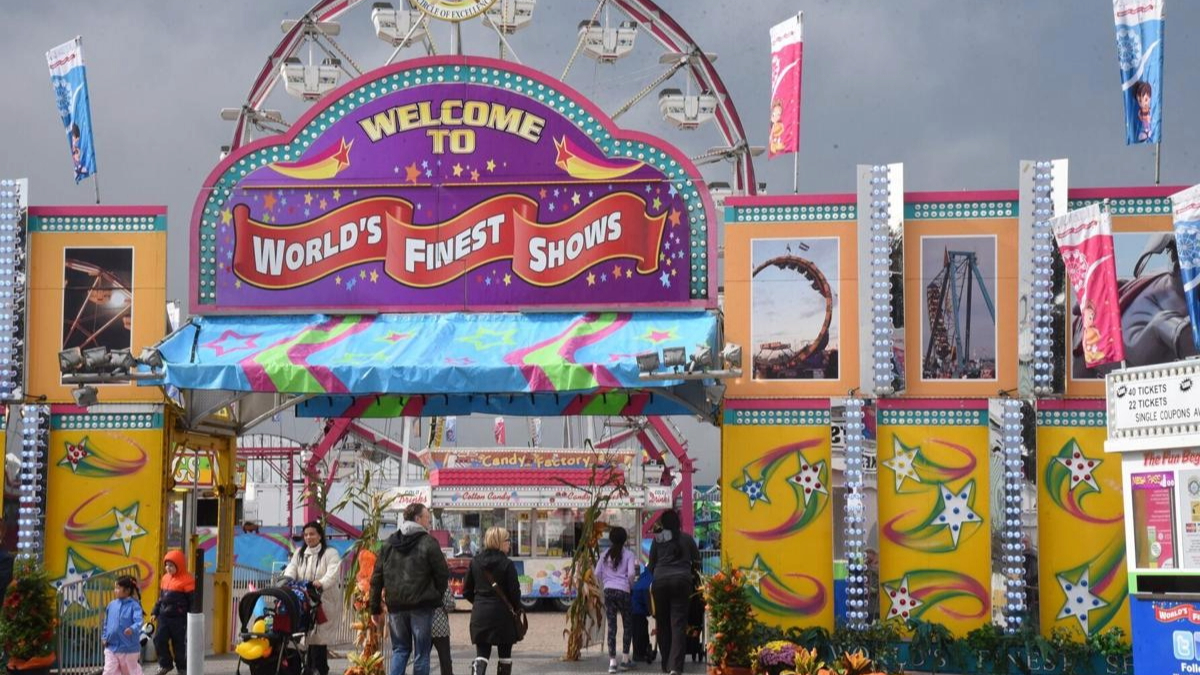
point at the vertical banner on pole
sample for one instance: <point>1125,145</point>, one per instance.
<point>1083,584</point>
<point>934,512</point>
<point>776,512</point>
<point>1085,243</point>
<point>69,79</point>
<point>787,59</point>
<point>1139,25</point>
<point>1185,209</point>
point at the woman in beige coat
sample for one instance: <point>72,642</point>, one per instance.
<point>319,563</point>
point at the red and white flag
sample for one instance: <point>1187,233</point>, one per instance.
<point>787,52</point>
<point>1085,242</point>
<point>498,430</point>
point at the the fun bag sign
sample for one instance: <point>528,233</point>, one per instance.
<point>449,184</point>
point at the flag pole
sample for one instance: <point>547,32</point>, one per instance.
<point>796,169</point>
<point>1157,161</point>
<point>96,176</point>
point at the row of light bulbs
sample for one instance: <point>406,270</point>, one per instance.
<point>881,285</point>
<point>1013,548</point>
<point>857,582</point>
<point>1043,269</point>
<point>12,289</point>
<point>35,437</point>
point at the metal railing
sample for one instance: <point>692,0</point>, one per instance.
<point>81,607</point>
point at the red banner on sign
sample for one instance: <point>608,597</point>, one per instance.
<point>1178,613</point>
<point>423,256</point>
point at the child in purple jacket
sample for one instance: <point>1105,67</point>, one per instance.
<point>616,571</point>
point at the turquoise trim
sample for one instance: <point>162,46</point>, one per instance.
<point>814,213</point>
<point>945,418</point>
<point>1141,206</point>
<point>134,224</point>
<point>796,418</point>
<point>114,421</point>
<point>1072,418</point>
<point>959,210</point>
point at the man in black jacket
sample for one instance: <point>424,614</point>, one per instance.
<point>411,575</point>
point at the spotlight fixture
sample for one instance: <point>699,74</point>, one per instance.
<point>732,354</point>
<point>714,394</point>
<point>122,359</point>
<point>674,357</point>
<point>95,358</point>
<point>151,357</point>
<point>70,360</point>
<point>647,362</point>
<point>85,396</point>
<point>701,359</point>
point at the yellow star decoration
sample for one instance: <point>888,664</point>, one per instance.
<point>628,274</point>
<point>338,280</point>
<point>491,165</point>
<point>337,195</point>
<point>591,278</point>
<point>657,203</point>
<point>458,169</point>
<point>374,276</point>
<point>308,199</point>
<point>507,279</point>
<point>362,274</point>
<point>226,216</point>
<point>575,199</point>
<point>755,574</point>
<point>500,338</point>
<point>662,256</point>
<point>237,283</point>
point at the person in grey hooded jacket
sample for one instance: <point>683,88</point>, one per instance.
<point>673,556</point>
<point>413,574</point>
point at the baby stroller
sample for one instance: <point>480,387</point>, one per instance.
<point>274,622</point>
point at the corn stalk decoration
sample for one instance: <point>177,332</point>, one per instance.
<point>585,615</point>
<point>366,658</point>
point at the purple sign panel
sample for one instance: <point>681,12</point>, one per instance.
<point>450,184</point>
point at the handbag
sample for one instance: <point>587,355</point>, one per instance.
<point>519,619</point>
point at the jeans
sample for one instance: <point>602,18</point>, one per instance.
<point>410,632</point>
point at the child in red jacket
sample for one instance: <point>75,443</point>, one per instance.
<point>174,602</point>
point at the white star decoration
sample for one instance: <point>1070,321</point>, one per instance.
<point>127,527</point>
<point>903,462</point>
<point>956,512</point>
<point>1079,600</point>
<point>755,573</point>
<point>1082,467</point>
<point>808,479</point>
<point>74,594</point>
<point>753,488</point>
<point>902,602</point>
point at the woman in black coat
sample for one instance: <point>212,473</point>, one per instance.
<point>492,619</point>
<point>673,558</point>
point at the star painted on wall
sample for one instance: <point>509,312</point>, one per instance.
<point>956,512</point>
<point>658,336</point>
<point>75,454</point>
<point>411,173</point>
<point>591,279</point>
<point>903,462</point>
<point>617,271</point>
<point>755,573</point>
<point>458,169</point>
<point>486,338</point>
<point>903,603</point>
<point>1082,467</point>
<point>665,279</point>
<point>308,197</point>
<point>507,279</point>
<point>754,490</point>
<point>127,527</point>
<point>70,585</point>
<point>323,204</point>
<point>226,217</point>
<point>674,217</point>
<point>474,175</point>
<point>575,199</point>
<point>374,276</point>
<point>232,341</point>
<point>394,337</point>
<point>808,479</point>
<point>337,195</point>
<point>491,165</point>
<point>1079,599</point>
<point>657,203</point>
<point>269,201</point>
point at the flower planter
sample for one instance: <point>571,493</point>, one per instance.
<point>729,670</point>
<point>36,666</point>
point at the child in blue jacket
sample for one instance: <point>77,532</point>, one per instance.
<point>122,628</point>
<point>640,624</point>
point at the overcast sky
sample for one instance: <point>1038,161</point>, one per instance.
<point>958,90</point>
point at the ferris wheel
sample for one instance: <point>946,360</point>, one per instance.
<point>634,48</point>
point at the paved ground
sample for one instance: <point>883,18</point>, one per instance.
<point>539,654</point>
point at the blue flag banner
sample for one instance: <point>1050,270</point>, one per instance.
<point>1140,52</point>
<point>69,79</point>
<point>1185,209</point>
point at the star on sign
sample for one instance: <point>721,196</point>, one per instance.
<point>127,527</point>
<point>1079,599</point>
<point>76,453</point>
<point>903,462</point>
<point>1082,467</point>
<point>755,573</point>
<point>71,583</point>
<point>955,511</point>
<point>902,601</point>
<point>808,479</point>
<point>753,489</point>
